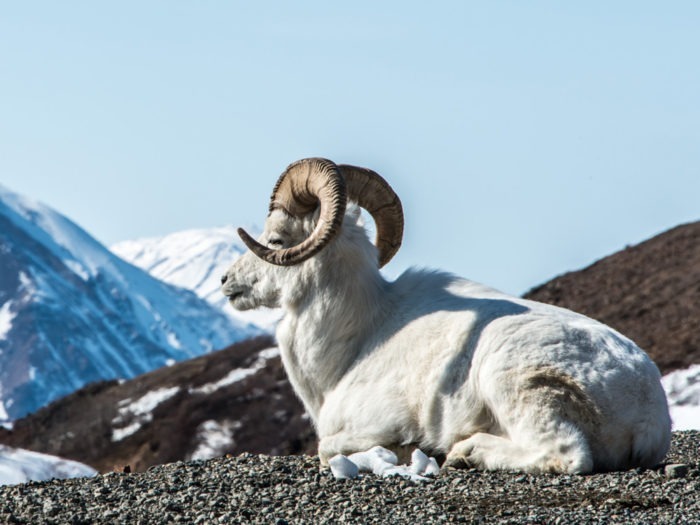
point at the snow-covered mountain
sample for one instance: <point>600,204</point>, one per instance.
<point>195,259</point>
<point>71,312</point>
<point>19,466</point>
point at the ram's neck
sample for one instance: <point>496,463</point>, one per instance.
<point>321,336</point>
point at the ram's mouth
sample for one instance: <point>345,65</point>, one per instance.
<point>235,295</point>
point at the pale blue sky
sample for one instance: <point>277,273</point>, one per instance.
<point>525,139</point>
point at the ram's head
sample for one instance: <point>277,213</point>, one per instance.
<point>306,215</point>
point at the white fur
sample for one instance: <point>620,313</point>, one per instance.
<point>450,366</point>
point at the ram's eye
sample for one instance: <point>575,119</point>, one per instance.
<point>276,243</point>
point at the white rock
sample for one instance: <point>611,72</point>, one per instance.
<point>433,469</point>
<point>383,462</point>
<point>342,467</point>
<point>419,461</point>
<point>376,460</point>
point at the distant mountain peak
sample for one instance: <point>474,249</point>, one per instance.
<point>196,259</point>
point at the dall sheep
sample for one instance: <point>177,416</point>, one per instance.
<point>431,360</point>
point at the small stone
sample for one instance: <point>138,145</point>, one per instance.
<point>676,470</point>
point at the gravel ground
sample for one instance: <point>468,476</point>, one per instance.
<point>291,489</point>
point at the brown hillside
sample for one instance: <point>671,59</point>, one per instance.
<point>649,292</point>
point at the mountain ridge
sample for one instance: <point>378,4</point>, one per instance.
<point>72,312</point>
<point>196,259</point>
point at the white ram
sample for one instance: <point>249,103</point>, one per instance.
<point>431,360</point>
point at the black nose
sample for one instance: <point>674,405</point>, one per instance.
<point>224,278</point>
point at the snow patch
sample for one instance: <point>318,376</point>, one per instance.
<point>685,417</point>
<point>6,318</point>
<point>21,466</point>
<point>139,412</point>
<point>269,353</point>
<point>78,269</point>
<point>237,374</point>
<point>26,283</point>
<point>173,340</point>
<point>683,393</point>
<point>3,414</point>
<point>120,433</point>
<point>214,438</point>
<point>233,376</point>
<point>146,403</point>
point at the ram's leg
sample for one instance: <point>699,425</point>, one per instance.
<point>545,419</point>
<point>484,451</point>
<point>499,453</point>
<point>491,452</point>
<point>543,426</point>
<point>346,443</point>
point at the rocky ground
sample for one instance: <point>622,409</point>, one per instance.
<point>290,489</point>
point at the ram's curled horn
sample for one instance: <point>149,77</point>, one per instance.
<point>374,194</point>
<point>308,182</point>
<point>300,189</point>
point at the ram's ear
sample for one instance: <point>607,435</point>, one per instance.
<point>354,212</point>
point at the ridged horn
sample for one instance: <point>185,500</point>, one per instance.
<point>300,189</point>
<point>375,195</point>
